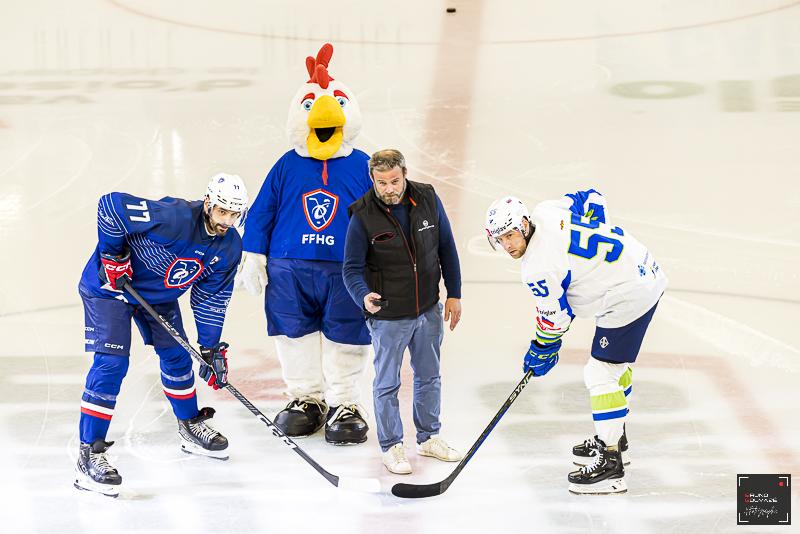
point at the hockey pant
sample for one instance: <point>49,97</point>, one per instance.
<point>110,323</point>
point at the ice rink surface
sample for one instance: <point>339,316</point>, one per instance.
<point>684,114</point>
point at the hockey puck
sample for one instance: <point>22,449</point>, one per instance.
<point>451,10</point>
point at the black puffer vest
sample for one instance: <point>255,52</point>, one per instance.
<point>406,273</point>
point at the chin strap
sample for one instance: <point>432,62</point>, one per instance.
<point>207,220</point>
<point>530,234</point>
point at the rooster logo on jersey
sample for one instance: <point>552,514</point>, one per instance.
<point>320,207</point>
<point>182,271</point>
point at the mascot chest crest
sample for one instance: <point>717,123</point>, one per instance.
<point>320,208</point>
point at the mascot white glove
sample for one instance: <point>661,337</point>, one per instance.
<point>252,273</point>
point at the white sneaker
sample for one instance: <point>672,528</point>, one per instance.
<point>439,449</point>
<point>395,460</point>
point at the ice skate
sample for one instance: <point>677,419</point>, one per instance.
<point>93,471</point>
<point>604,475</point>
<point>199,438</point>
<point>584,453</point>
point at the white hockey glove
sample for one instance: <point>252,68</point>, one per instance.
<point>252,273</point>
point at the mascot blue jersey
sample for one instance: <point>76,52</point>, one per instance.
<point>171,251</point>
<point>297,215</point>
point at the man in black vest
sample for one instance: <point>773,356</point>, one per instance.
<point>399,244</point>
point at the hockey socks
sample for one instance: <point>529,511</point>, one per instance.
<point>177,378</point>
<point>100,395</point>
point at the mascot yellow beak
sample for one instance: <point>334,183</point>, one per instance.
<point>326,120</point>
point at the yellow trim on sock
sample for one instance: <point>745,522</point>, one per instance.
<point>609,401</point>
<point>626,379</point>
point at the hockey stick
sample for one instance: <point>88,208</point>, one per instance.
<point>419,491</point>
<point>361,484</point>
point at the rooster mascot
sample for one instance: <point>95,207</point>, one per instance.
<point>294,246</point>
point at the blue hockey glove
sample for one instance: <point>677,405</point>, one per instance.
<point>541,358</point>
<point>215,370</point>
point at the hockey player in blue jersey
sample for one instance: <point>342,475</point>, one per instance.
<point>164,248</point>
<point>299,222</point>
<point>576,263</point>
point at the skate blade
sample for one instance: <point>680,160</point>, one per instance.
<point>606,487</point>
<point>583,460</point>
<point>191,448</point>
<point>84,484</point>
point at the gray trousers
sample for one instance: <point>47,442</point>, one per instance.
<point>423,337</point>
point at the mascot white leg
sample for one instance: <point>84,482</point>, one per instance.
<point>343,366</point>
<point>301,366</point>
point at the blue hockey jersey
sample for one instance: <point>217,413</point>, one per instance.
<point>300,215</point>
<point>171,251</point>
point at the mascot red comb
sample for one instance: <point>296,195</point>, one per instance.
<point>294,237</point>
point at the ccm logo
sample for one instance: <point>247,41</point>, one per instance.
<point>113,346</point>
<point>117,268</point>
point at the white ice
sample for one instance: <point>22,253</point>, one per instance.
<point>684,114</point>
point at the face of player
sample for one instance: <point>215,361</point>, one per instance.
<point>218,220</point>
<point>389,185</point>
<point>514,242</point>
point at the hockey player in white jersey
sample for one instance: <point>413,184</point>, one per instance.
<point>576,263</point>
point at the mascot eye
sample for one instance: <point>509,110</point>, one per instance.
<point>307,103</point>
<point>340,97</point>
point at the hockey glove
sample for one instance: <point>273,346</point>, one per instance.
<point>215,370</point>
<point>113,268</point>
<point>541,358</point>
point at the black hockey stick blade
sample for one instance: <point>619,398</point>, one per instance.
<point>421,491</point>
<point>371,485</point>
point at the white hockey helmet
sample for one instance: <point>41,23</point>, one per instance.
<point>503,215</point>
<point>228,192</point>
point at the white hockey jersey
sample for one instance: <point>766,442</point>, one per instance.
<point>579,264</point>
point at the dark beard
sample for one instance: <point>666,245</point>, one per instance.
<point>212,228</point>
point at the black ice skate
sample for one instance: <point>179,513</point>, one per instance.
<point>199,438</point>
<point>346,426</point>
<point>584,453</point>
<point>302,417</point>
<point>93,472</point>
<point>604,475</point>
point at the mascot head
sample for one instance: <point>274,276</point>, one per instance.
<point>324,117</point>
